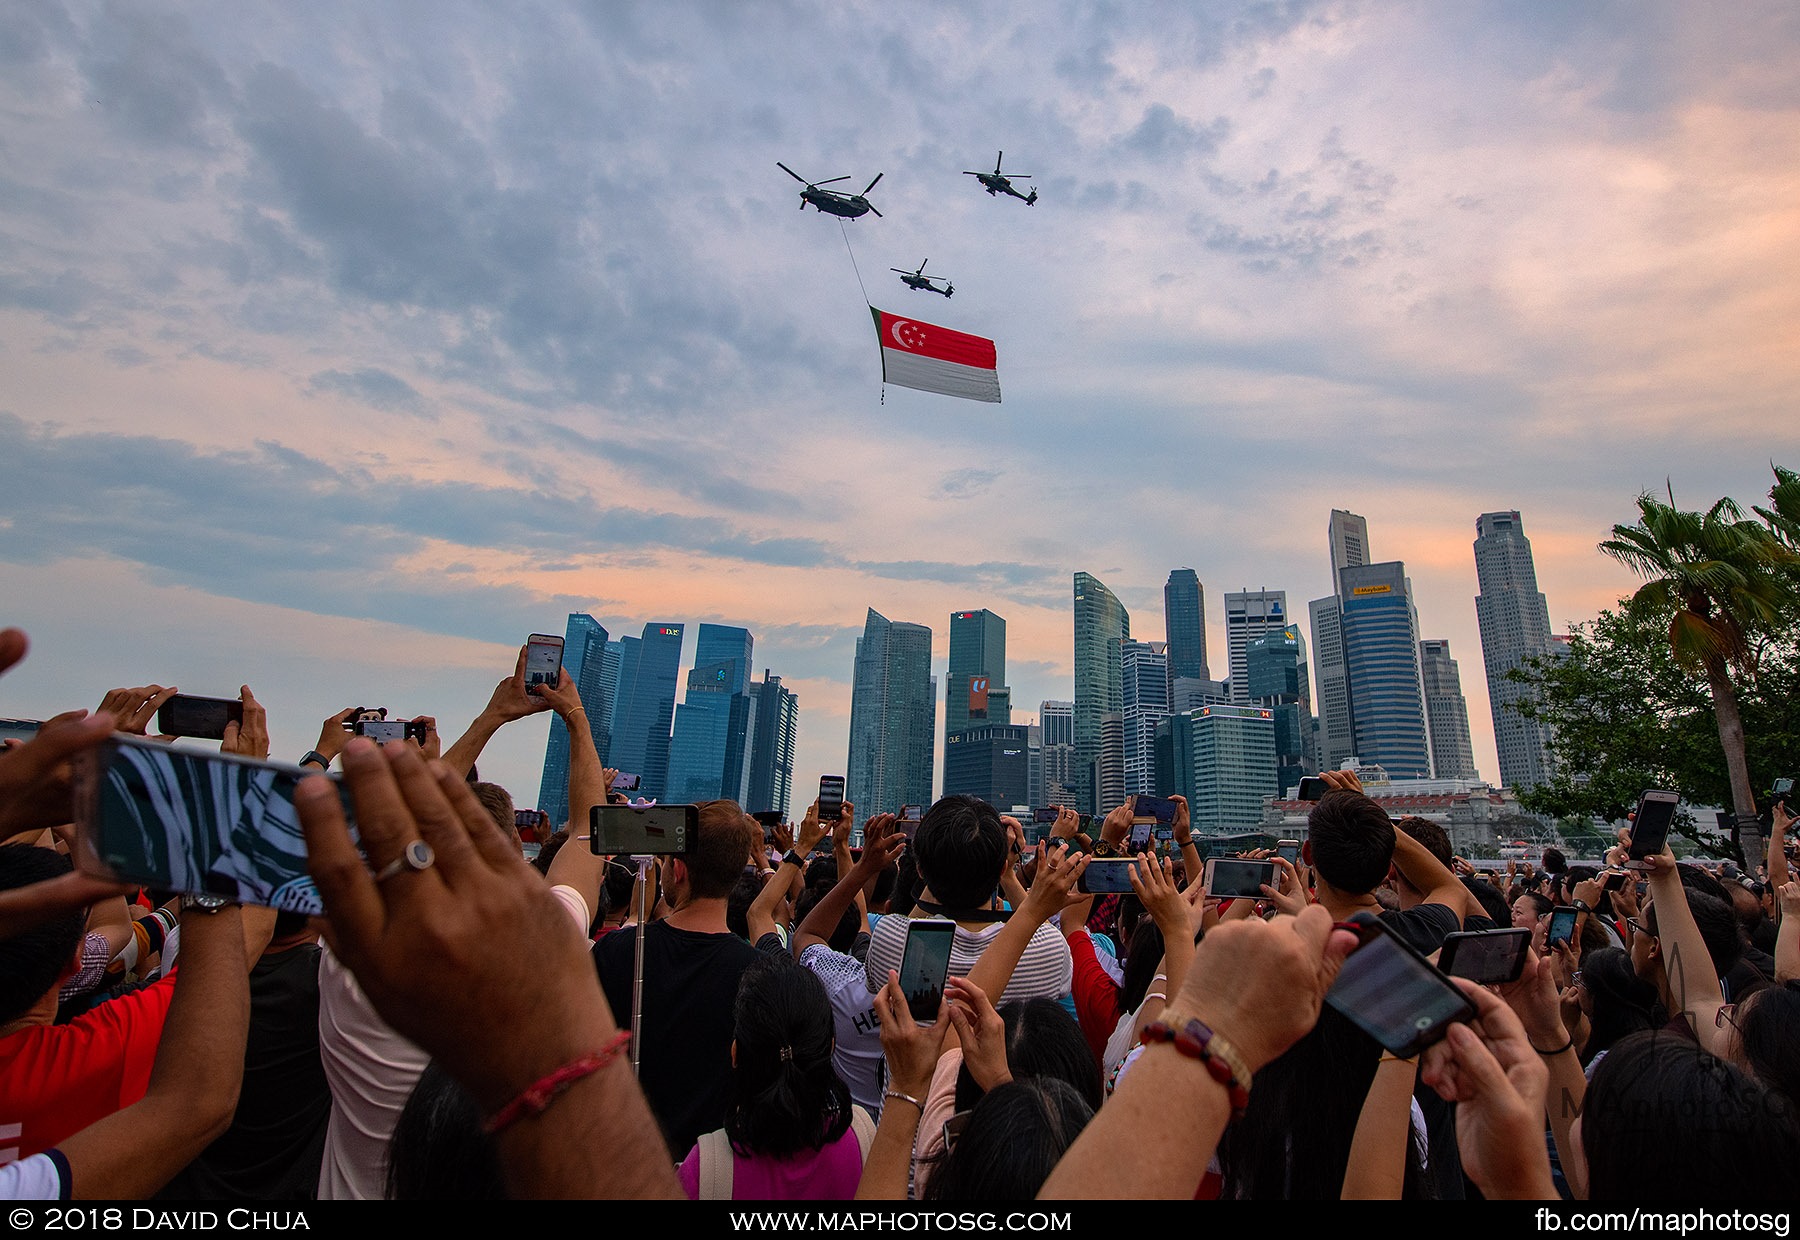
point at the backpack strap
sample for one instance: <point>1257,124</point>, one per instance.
<point>864,1127</point>
<point>717,1164</point>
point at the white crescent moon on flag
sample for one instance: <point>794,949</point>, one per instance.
<point>899,332</point>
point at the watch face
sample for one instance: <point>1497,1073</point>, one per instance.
<point>208,904</point>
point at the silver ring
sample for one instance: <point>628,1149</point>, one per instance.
<point>416,856</point>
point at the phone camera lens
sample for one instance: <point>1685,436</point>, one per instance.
<point>1424,1022</point>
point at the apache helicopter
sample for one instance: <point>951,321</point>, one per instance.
<point>918,279</point>
<point>831,201</point>
<point>997,184</point>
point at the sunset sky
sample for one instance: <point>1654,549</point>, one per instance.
<point>346,344</point>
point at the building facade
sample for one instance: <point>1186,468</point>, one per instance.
<point>1446,712</point>
<point>1144,688</point>
<point>1514,621</point>
<point>1101,623</point>
<point>1248,615</point>
<point>893,718</point>
<point>641,738</point>
<point>1222,759</point>
<point>1381,659</point>
<point>774,729</point>
<point>585,662</point>
<point>1184,620</point>
<point>990,761</point>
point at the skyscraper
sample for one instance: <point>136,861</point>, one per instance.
<point>1515,626</point>
<point>584,650</point>
<point>1184,618</point>
<point>1381,657</point>
<point>1057,780</point>
<point>1278,680</point>
<point>991,761</point>
<point>893,718</point>
<point>774,727</point>
<point>1101,623</point>
<point>975,691</point>
<point>1248,615</point>
<point>1144,687</point>
<point>708,758</point>
<point>1222,759</point>
<point>720,643</point>
<point>641,735</point>
<point>1349,536</point>
<point>1446,712</point>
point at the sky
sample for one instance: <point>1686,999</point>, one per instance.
<point>344,345</point>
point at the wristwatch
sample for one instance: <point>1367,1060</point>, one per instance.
<point>794,859</point>
<point>204,904</point>
<point>312,756</point>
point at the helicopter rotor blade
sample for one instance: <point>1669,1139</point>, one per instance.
<point>872,184</point>
<point>899,272</point>
<point>845,177</point>
<point>997,158</point>
<point>792,173</point>
<point>878,215</point>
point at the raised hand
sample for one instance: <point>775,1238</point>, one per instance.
<point>251,738</point>
<point>980,1031</point>
<point>133,709</point>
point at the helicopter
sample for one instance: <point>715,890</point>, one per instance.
<point>831,201</point>
<point>919,280</point>
<point>997,184</point>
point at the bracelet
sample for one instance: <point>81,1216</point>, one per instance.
<point>1222,1062</point>
<point>1160,977</point>
<point>894,1093</point>
<point>1154,994</point>
<point>1566,1046</point>
<point>537,1097</point>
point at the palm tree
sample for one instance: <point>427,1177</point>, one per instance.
<point>1718,579</point>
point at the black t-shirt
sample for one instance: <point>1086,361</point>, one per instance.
<point>690,990</point>
<point>1479,921</point>
<point>1424,926</point>
<point>276,1141</point>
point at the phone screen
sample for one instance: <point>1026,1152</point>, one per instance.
<point>626,783</point>
<point>543,659</point>
<point>656,830</point>
<point>1394,995</point>
<point>925,966</point>
<point>202,718</point>
<point>1650,829</point>
<point>831,798</point>
<point>381,731</point>
<point>1044,813</point>
<point>1312,788</point>
<point>1562,926</point>
<point>1228,877</point>
<point>196,823</point>
<point>1160,808</point>
<point>1486,957</point>
<point>1289,851</point>
<point>1107,876</point>
<point>1141,832</point>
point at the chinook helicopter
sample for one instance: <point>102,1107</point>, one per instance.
<point>995,183</point>
<point>831,201</point>
<point>919,280</point>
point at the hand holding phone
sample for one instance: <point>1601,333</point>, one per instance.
<point>543,661</point>
<point>1650,826</point>
<point>925,966</point>
<point>1392,993</point>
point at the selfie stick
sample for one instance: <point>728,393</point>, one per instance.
<point>637,960</point>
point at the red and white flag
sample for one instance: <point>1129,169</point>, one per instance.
<point>922,355</point>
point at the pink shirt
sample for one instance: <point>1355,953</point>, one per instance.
<point>831,1174</point>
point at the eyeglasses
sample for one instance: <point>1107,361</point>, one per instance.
<point>1575,978</point>
<point>1638,927</point>
<point>1727,1015</point>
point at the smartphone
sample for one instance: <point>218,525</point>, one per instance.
<point>654,830</point>
<point>831,801</point>
<point>1486,957</point>
<point>1288,851</point>
<point>1312,788</point>
<point>195,823</point>
<point>532,819</point>
<point>1562,926</point>
<point>770,819</point>
<point>543,660</point>
<point>386,731</point>
<point>1612,880</point>
<point>626,783</point>
<point>1231,876</point>
<point>1044,813</point>
<point>925,966</point>
<point>1392,993</point>
<point>1162,809</point>
<point>910,818</point>
<point>203,718</point>
<point>1650,829</point>
<point>1142,830</point>
<point>1108,876</point>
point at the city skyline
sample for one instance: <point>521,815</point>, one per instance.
<point>344,350</point>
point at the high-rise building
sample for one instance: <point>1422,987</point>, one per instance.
<point>707,757</point>
<point>1446,713</point>
<point>893,718</point>
<point>1057,780</point>
<point>1034,763</point>
<point>646,708</point>
<point>1108,771</point>
<point>725,643</point>
<point>1277,679</point>
<point>1515,626</point>
<point>774,727</point>
<point>1144,687</point>
<point>1337,725</point>
<point>1248,615</point>
<point>1349,536</point>
<point>1381,657</point>
<point>1101,623</point>
<point>990,761</point>
<point>1184,618</point>
<point>584,662</point>
<point>1222,759</point>
<point>975,691</point>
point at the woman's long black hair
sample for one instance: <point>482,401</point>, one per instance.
<point>785,1094</point>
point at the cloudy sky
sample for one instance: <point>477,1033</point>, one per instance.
<point>345,344</point>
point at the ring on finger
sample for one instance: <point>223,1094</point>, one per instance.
<point>415,856</point>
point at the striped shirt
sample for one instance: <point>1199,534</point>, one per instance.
<point>1045,971</point>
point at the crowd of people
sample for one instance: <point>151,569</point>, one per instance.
<point>460,1021</point>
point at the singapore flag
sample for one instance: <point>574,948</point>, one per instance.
<point>922,355</point>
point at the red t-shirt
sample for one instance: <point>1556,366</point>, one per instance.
<point>55,1080</point>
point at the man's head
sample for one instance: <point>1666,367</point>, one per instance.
<point>1718,928</point>
<point>498,802</point>
<point>961,849</point>
<point>1554,861</point>
<point>1436,842</point>
<point>1350,841</point>
<point>32,963</point>
<point>715,859</point>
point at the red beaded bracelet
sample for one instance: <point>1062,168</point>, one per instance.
<point>540,1094</point>
<point>1196,1040</point>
